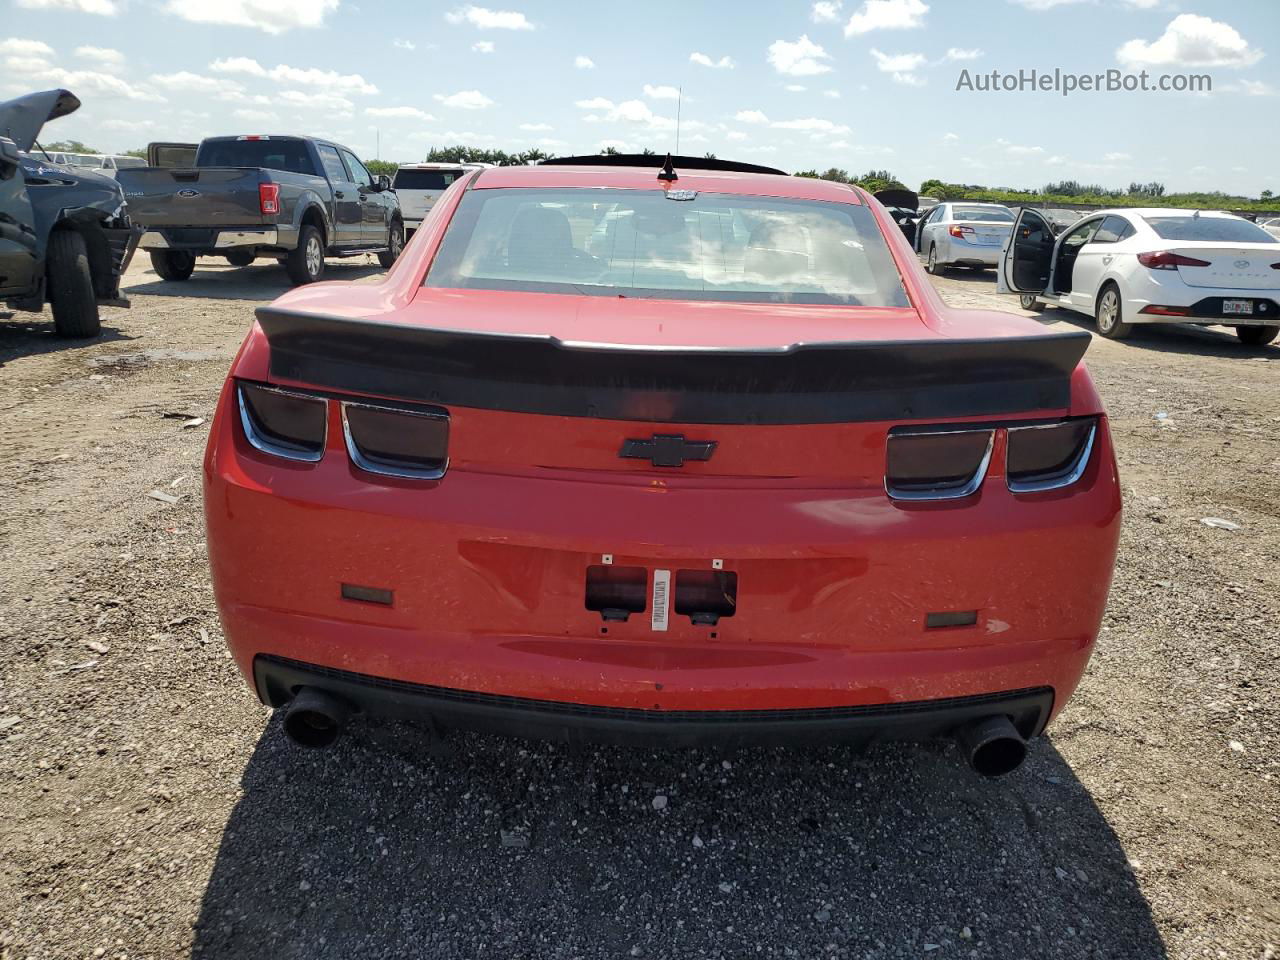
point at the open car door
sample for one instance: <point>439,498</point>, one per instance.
<point>1027,257</point>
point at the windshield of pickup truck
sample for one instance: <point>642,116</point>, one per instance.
<point>640,243</point>
<point>288,155</point>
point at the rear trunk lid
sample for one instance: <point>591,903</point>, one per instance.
<point>193,197</point>
<point>987,234</point>
<point>1246,266</point>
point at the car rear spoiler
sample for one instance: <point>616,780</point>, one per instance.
<point>800,383</point>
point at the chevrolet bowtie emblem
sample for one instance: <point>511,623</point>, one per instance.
<point>667,449</point>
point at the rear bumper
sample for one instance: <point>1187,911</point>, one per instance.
<point>194,240</point>
<point>1211,310</point>
<point>277,680</point>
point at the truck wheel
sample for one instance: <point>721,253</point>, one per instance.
<point>395,243</point>
<point>306,261</point>
<point>241,258</point>
<point>75,308</point>
<point>1110,314</point>
<point>173,264</point>
<point>1257,336</point>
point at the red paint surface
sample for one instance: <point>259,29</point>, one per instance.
<point>488,564</point>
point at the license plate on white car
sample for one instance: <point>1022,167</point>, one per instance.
<point>1237,307</point>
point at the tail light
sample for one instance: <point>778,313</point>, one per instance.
<point>936,464</point>
<point>959,231</point>
<point>269,197</point>
<point>1050,455</point>
<point>1157,310</point>
<point>282,423</point>
<point>1167,260</point>
<point>396,441</point>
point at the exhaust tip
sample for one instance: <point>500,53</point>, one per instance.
<point>993,746</point>
<point>314,718</point>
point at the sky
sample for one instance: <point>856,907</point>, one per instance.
<point>858,84</point>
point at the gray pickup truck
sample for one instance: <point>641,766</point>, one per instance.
<point>295,199</point>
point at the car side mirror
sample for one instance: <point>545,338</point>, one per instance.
<point>10,158</point>
<point>382,182</point>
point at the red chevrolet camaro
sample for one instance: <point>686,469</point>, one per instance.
<point>678,456</point>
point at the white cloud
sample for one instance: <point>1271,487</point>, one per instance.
<point>550,142</point>
<point>815,125</point>
<point>105,57</point>
<point>958,53</point>
<point>799,58</point>
<point>702,60</point>
<point>661,92</point>
<point>735,135</point>
<point>795,88</point>
<point>1256,88</point>
<point>1117,156</point>
<point>595,103</point>
<point>765,149</point>
<point>184,81</point>
<point>750,116</point>
<point>1017,149</point>
<point>276,16</point>
<point>296,76</point>
<point>404,44</point>
<point>902,66</point>
<point>886,15</point>
<point>127,126</point>
<point>330,102</point>
<point>465,100</point>
<point>487,19</point>
<point>638,112</point>
<point>106,8</point>
<point>1191,41</point>
<point>483,46</point>
<point>950,137</point>
<point>92,83</point>
<point>26,48</point>
<point>584,63</point>
<point>536,127</point>
<point>412,113</point>
<point>825,11</point>
<point>620,145</point>
<point>256,116</point>
<point>833,94</point>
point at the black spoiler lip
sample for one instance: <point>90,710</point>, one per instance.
<point>825,382</point>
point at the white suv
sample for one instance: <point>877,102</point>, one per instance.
<point>419,185</point>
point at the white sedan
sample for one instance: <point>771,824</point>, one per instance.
<point>967,234</point>
<point>1151,265</point>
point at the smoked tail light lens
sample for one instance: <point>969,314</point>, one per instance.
<point>1167,260</point>
<point>283,423</point>
<point>1049,456</point>
<point>936,464</point>
<point>397,442</point>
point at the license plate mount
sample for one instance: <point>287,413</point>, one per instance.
<point>1237,308</point>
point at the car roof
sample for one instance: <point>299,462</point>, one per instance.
<point>637,178</point>
<point>1162,212</point>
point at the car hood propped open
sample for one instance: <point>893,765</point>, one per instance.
<point>22,118</point>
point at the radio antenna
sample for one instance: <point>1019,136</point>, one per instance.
<point>679,102</point>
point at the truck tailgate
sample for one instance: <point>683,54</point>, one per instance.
<point>207,196</point>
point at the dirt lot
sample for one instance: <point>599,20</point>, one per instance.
<point>149,807</point>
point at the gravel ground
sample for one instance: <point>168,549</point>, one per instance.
<point>149,807</point>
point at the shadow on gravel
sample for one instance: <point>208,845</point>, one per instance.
<point>385,847</point>
<point>261,281</point>
<point>1172,337</point>
<point>29,338</point>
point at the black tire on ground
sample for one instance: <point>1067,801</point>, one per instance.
<point>70,282</point>
<point>173,264</point>
<point>1257,336</point>
<point>1029,301</point>
<point>395,243</point>
<point>241,258</point>
<point>306,261</point>
<point>931,265</point>
<point>1109,314</point>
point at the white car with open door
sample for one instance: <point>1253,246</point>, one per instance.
<point>963,234</point>
<point>420,185</point>
<point>1149,265</point>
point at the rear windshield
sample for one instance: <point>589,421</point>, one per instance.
<point>984,214</point>
<point>1226,229</point>
<point>425,179</point>
<point>288,155</point>
<point>130,162</point>
<point>639,243</point>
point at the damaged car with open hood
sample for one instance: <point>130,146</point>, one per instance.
<point>65,239</point>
